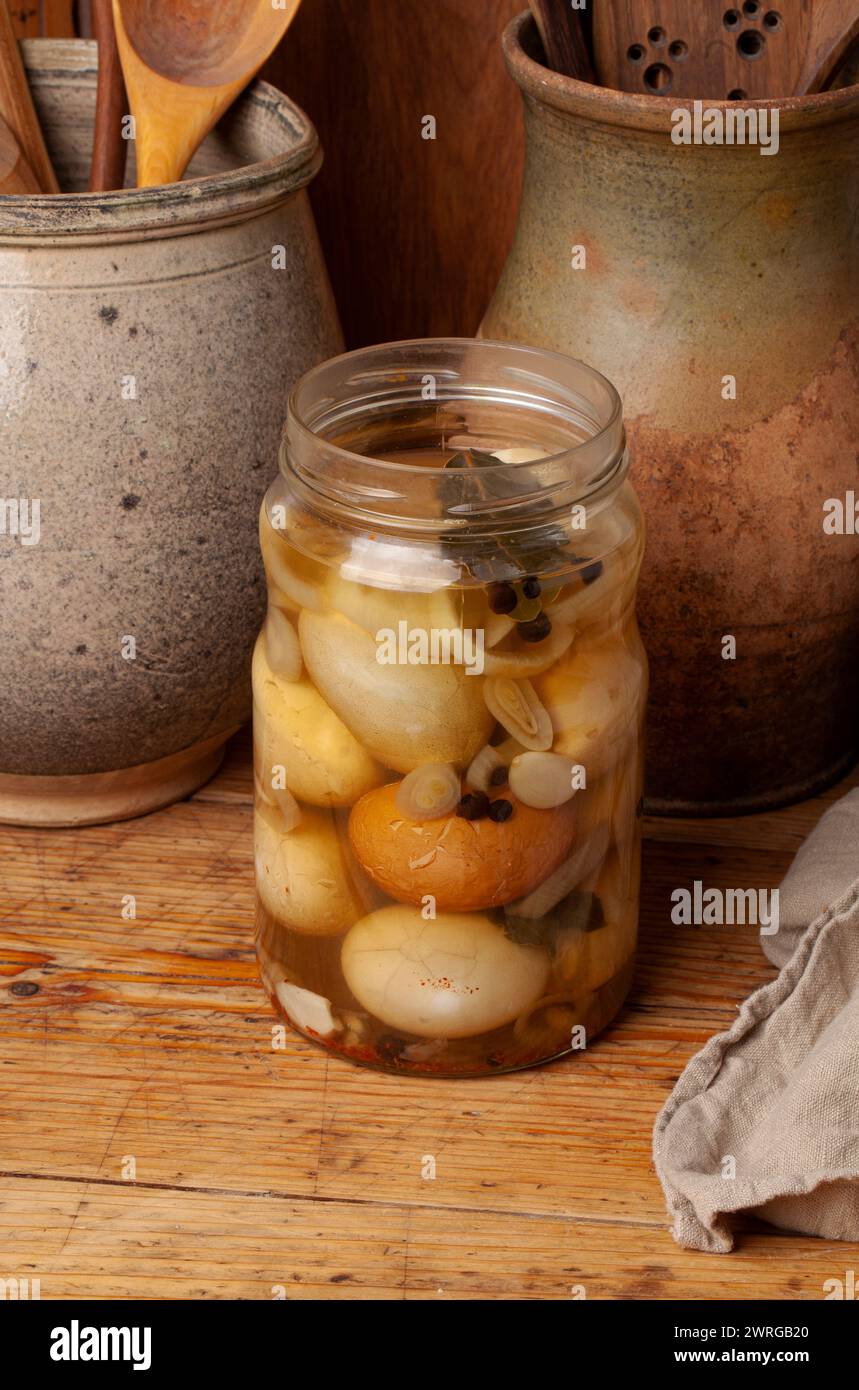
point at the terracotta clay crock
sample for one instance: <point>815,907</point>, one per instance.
<point>703,263</point>
<point>148,342</point>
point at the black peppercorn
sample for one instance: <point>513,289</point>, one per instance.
<point>499,777</point>
<point>389,1048</point>
<point>502,598</point>
<point>592,572</point>
<point>473,806</point>
<point>537,630</point>
<point>500,810</point>
<point>531,587</point>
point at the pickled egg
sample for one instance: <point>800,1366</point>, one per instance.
<point>593,699</point>
<point>463,864</point>
<point>295,729</point>
<point>452,977</point>
<point>304,876</point>
<point>403,715</point>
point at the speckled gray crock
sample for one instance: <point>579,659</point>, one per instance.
<point>148,504</point>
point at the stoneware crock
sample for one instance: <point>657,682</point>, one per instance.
<point>705,262</point>
<point>148,342</point>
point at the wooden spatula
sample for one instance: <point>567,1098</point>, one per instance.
<point>705,49</point>
<point>109,149</point>
<point>185,62</point>
<point>16,176</point>
<point>17,109</point>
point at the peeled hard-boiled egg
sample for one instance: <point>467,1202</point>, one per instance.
<point>593,698</point>
<point>403,715</point>
<point>452,977</point>
<point>294,728</point>
<point>304,877</point>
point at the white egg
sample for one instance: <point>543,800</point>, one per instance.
<point>452,977</point>
<point>305,878</point>
<point>403,715</point>
<point>295,729</point>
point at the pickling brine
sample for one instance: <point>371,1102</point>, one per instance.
<point>449,692</point>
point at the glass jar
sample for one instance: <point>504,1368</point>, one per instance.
<point>448,700</point>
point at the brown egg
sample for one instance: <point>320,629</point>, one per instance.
<point>465,865</point>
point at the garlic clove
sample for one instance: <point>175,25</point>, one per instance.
<point>543,780</point>
<point>524,659</point>
<point>516,705</point>
<point>585,860</point>
<point>429,792</point>
<point>307,1010</point>
<point>282,646</point>
<point>479,774</point>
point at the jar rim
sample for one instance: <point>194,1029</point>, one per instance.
<point>298,423</point>
<point>536,393</point>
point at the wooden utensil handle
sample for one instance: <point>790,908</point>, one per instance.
<point>109,149</point>
<point>16,176</point>
<point>17,109</point>
<point>563,39</point>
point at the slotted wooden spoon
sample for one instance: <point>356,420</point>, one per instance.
<point>185,62</point>
<point>16,176</point>
<point>711,50</point>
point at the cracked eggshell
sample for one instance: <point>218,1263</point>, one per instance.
<point>304,877</point>
<point>404,715</point>
<point>593,698</point>
<point>464,864</point>
<point>294,727</point>
<point>453,977</point>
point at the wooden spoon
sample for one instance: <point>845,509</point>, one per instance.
<point>17,109</point>
<point>748,50</point>
<point>109,149</point>
<point>16,176</point>
<point>563,39</point>
<point>185,62</point>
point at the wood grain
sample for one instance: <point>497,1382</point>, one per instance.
<point>563,39</point>
<point>681,48</point>
<point>16,176</point>
<point>17,109</point>
<point>415,231</point>
<point>260,1166</point>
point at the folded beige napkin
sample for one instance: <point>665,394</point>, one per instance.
<point>766,1118</point>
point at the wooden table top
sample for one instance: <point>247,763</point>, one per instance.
<point>154,1145</point>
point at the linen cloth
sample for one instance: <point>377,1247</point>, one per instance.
<point>765,1119</point>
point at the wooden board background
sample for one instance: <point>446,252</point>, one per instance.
<point>257,1170</point>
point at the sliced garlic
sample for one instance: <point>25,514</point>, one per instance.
<point>429,792</point>
<point>586,859</point>
<point>496,628</point>
<point>308,1010</point>
<point>479,774</point>
<point>529,658</point>
<point>515,704</point>
<point>543,780</point>
<point>277,801</point>
<point>282,647</point>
